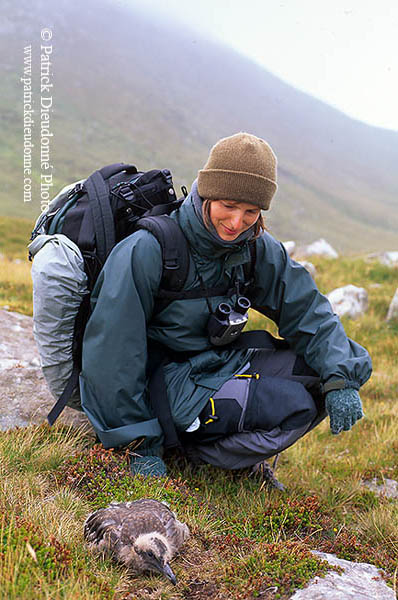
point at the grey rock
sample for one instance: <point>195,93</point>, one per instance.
<point>390,259</point>
<point>350,301</point>
<point>360,581</point>
<point>24,396</point>
<point>389,487</point>
<point>290,247</point>
<point>393,308</point>
<point>320,247</point>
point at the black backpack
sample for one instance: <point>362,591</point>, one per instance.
<point>96,214</point>
<point>105,208</point>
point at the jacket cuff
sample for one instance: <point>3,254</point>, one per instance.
<point>338,383</point>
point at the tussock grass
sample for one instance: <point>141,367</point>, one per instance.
<point>14,236</point>
<point>246,541</point>
<point>16,285</point>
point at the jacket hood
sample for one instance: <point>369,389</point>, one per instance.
<point>206,242</point>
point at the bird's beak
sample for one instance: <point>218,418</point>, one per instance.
<point>169,574</point>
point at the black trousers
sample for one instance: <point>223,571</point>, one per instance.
<point>260,412</point>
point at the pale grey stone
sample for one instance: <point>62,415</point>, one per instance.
<point>350,301</point>
<point>290,247</point>
<point>360,581</point>
<point>393,308</point>
<point>24,396</point>
<point>390,259</point>
<point>389,487</point>
<point>321,248</point>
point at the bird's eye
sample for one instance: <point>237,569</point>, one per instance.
<point>150,554</point>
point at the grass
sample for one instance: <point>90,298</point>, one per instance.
<point>15,286</point>
<point>247,542</point>
<point>14,237</point>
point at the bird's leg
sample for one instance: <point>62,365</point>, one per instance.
<point>264,470</point>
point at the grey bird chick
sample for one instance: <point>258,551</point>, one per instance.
<point>143,535</point>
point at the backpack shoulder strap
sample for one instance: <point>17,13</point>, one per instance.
<point>176,258</point>
<point>98,194</point>
<point>175,253</point>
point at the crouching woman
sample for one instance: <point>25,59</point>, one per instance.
<point>234,404</point>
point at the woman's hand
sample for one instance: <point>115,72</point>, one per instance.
<point>344,408</point>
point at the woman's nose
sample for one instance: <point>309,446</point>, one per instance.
<point>236,221</point>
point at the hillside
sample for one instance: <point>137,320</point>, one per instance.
<point>129,89</point>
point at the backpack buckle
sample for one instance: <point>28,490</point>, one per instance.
<point>171,264</point>
<point>79,187</point>
<point>124,192</point>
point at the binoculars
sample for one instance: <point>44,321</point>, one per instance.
<point>226,323</point>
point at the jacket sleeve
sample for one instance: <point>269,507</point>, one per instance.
<point>113,382</point>
<point>286,293</point>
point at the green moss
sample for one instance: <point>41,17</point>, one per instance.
<point>37,557</point>
<point>281,566</point>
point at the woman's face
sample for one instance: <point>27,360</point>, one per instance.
<point>231,218</point>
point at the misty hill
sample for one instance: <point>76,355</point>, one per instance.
<point>128,88</point>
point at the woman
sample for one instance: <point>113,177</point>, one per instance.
<point>235,405</point>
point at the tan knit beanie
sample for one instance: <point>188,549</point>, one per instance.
<point>241,167</point>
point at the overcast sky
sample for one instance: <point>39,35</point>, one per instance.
<point>342,51</point>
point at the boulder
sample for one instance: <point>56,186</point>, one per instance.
<point>390,259</point>
<point>321,248</point>
<point>290,247</point>
<point>350,301</point>
<point>24,396</point>
<point>359,581</point>
<point>393,308</point>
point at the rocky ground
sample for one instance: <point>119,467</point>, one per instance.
<point>24,396</point>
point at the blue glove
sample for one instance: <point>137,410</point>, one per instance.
<point>148,466</point>
<point>344,408</point>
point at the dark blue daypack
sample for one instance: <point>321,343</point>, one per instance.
<point>96,214</point>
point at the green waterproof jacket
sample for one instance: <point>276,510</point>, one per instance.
<point>113,381</point>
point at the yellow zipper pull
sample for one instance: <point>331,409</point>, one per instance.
<point>250,376</point>
<point>213,413</point>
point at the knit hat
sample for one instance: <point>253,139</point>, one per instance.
<point>241,167</point>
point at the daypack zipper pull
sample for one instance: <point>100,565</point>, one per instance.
<point>212,417</point>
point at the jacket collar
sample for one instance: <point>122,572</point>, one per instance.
<point>207,244</point>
